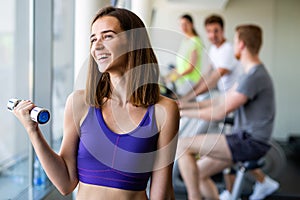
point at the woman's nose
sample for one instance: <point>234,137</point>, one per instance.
<point>99,46</point>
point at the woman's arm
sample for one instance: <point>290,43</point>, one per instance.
<point>167,116</point>
<point>60,168</point>
<point>192,63</point>
<point>175,75</point>
<point>198,88</point>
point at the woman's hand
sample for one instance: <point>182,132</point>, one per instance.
<point>22,112</point>
<point>172,76</point>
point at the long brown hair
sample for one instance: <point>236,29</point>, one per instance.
<point>141,68</point>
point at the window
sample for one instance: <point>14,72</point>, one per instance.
<point>63,62</point>
<point>14,68</point>
<point>48,84</point>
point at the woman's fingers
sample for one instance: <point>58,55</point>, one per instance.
<point>22,112</point>
<point>24,107</point>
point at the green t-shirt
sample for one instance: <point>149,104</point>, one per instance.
<point>188,45</point>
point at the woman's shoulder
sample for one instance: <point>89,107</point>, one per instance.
<point>77,95</point>
<point>196,39</point>
<point>77,101</point>
<point>166,102</point>
<point>76,106</point>
<point>167,115</point>
<point>166,107</point>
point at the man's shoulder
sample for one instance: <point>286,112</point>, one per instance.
<point>226,45</point>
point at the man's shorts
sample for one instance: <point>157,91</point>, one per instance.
<point>243,147</point>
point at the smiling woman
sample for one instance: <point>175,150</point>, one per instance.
<point>109,44</point>
<point>112,53</point>
<point>119,131</point>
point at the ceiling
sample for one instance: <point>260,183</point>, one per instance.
<point>198,4</point>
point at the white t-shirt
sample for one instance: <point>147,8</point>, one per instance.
<point>223,57</point>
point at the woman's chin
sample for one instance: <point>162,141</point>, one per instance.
<point>103,66</point>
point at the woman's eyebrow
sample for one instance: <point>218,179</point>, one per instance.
<point>105,31</point>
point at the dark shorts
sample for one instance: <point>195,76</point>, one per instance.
<point>243,147</point>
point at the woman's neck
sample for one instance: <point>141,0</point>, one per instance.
<point>119,90</point>
<point>190,35</point>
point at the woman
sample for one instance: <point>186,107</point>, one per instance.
<point>188,61</point>
<point>119,131</point>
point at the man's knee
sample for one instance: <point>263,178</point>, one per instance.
<point>183,147</point>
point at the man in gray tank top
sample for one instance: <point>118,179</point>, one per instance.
<point>252,99</point>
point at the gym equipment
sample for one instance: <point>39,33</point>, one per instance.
<point>37,114</point>
<point>239,180</point>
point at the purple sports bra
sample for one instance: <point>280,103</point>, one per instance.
<point>123,161</point>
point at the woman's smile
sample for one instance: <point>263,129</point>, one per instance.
<point>103,57</point>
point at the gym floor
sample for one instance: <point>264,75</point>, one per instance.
<point>289,179</point>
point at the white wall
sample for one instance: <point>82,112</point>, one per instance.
<point>281,46</point>
<point>286,70</point>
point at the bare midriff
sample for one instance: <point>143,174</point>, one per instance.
<point>95,192</point>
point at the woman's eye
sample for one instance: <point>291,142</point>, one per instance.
<point>93,40</point>
<point>108,37</point>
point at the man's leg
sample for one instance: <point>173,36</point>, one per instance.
<point>208,167</point>
<point>211,145</point>
<point>189,173</point>
<point>258,174</point>
<point>229,179</point>
<point>264,185</point>
<point>190,127</point>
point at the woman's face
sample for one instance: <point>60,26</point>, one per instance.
<point>108,45</point>
<point>186,26</point>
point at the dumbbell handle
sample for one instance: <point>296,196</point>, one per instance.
<point>37,114</point>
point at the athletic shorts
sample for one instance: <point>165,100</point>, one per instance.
<point>244,148</point>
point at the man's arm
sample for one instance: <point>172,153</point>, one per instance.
<point>219,109</point>
<point>211,81</point>
<point>206,83</point>
<point>194,105</point>
<point>192,93</point>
